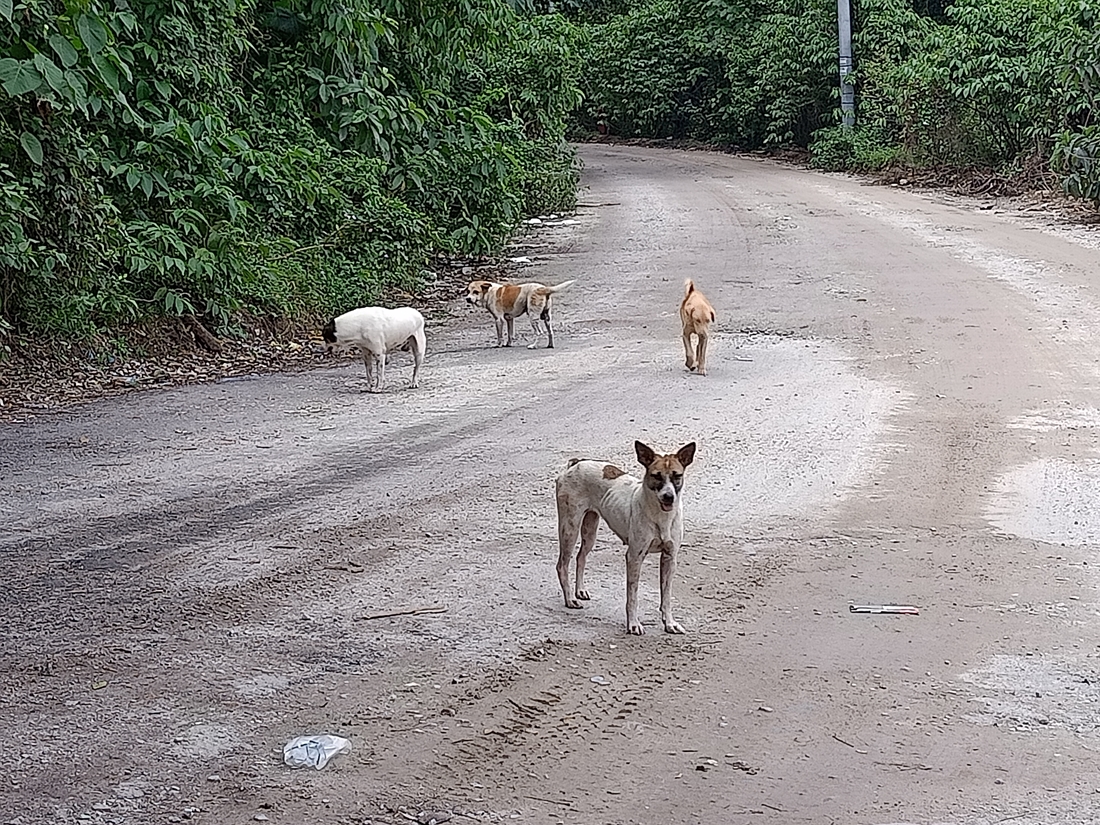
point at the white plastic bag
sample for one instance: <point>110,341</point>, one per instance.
<point>313,751</point>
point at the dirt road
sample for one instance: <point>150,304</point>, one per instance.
<point>902,407</point>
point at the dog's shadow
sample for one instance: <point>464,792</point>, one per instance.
<point>359,388</point>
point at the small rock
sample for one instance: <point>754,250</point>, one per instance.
<point>260,817</point>
<point>766,709</point>
<point>213,778</point>
<point>432,817</point>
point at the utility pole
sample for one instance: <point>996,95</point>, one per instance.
<point>847,92</point>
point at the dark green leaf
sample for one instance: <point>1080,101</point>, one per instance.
<point>64,49</point>
<point>79,91</point>
<point>32,146</point>
<point>48,69</point>
<point>107,71</point>
<point>92,32</point>
<point>19,77</point>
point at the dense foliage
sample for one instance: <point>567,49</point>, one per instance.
<point>275,156</point>
<point>301,156</point>
<point>1004,84</point>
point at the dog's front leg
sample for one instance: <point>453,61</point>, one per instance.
<point>500,331</point>
<point>668,570</point>
<point>634,558</point>
<point>511,330</point>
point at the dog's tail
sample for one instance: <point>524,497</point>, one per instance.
<point>689,287</point>
<point>550,290</point>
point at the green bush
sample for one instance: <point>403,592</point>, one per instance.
<point>274,156</point>
<point>1003,84</point>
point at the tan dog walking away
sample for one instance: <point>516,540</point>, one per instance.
<point>697,315</point>
<point>646,514</point>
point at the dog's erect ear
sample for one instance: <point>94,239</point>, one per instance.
<point>686,454</point>
<point>645,455</point>
<point>329,332</point>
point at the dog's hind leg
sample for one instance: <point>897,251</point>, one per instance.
<point>545,317</point>
<point>368,362</point>
<point>568,527</point>
<point>381,369</point>
<point>689,356</point>
<point>668,570</point>
<point>589,525</point>
<point>417,341</point>
<point>701,352</point>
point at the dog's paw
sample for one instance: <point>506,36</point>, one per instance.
<point>635,629</point>
<point>573,604</point>
<point>583,595</point>
<point>533,345</point>
<point>674,627</point>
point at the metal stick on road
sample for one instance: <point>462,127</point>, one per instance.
<point>906,609</point>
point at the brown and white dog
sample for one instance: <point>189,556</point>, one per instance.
<point>375,331</point>
<point>506,302</point>
<point>646,514</point>
<point>697,315</point>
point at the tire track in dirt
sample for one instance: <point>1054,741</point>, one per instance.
<point>564,696</point>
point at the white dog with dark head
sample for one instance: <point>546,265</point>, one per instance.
<point>646,514</point>
<point>375,331</point>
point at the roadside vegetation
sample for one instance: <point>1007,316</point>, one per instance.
<point>228,160</point>
<point>1008,86</point>
<point>219,159</point>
